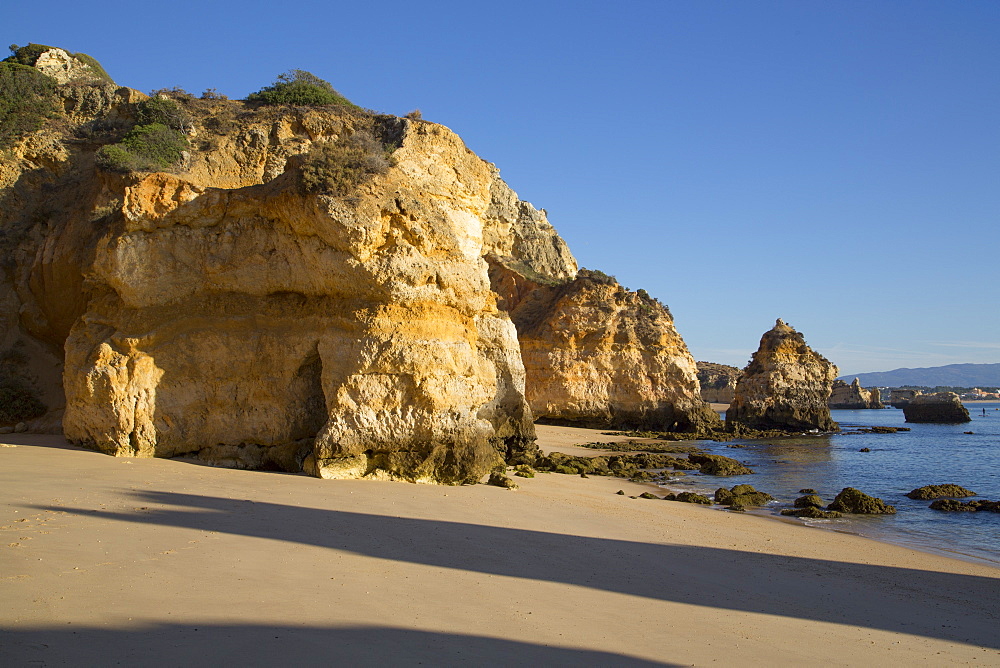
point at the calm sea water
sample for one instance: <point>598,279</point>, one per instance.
<point>929,454</point>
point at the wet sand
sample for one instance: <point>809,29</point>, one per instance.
<point>108,561</point>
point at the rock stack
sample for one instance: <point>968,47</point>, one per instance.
<point>942,407</point>
<point>853,396</point>
<point>786,386</point>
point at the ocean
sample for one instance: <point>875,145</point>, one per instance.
<point>929,454</point>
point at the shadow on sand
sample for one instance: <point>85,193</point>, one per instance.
<point>221,645</point>
<point>953,607</point>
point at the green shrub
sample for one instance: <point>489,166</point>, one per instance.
<point>28,55</point>
<point>27,98</point>
<point>597,276</point>
<point>146,148</point>
<point>164,111</point>
<point>337,167</point>
<point>300,88</point>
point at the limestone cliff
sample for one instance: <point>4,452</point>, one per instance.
<point>222,311</point>
<point>853,396</point>
<point>718,382</point>
<point>598,355</point>
<point>786,386</point>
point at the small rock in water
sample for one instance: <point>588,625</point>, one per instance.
<point>940,492</point>
<point>809,501</point>
<point>865,450</point>
<point>807,490</point>
<point>856,502</point>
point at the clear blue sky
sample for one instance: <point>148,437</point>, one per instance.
<point>835,164</point>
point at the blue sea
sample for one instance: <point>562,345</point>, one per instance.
<point>929,454</point>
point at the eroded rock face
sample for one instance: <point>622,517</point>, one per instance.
<point>598,355</point>
<point>66,68</point>
<point>785,386</point>
<point>221,312</point>
<point>718,382</point>
<point>941,407</point>
<point>853,396</point>
<point>900,398</point>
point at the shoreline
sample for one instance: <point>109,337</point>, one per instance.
<point>551,441</point>
<point>163,561</point>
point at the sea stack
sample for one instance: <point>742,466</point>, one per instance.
<point>786,386</point>
<point>854,396</point>
<point>941,407</point>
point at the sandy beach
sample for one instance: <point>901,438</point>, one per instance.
<point>108,561</point>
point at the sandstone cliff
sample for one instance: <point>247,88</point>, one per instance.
<point>853,396</point>
<point>598,355</point>
<point>786,386</point>
<point>718,382</point>
<point>222,311</point>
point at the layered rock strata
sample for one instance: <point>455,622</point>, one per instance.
<point>853,396</point>
<point>718,382</point>
<point>222,312</point>
<point>900,398</point>
<point>786,386</point>
<point>599,355</point>
<point>940,407</point>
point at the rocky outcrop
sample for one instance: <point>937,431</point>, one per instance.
<point>941,407</point>
<point>786,386</point>
<point>718,382</point>
<point>900,398</point>
<point>223,312</point>
<point>979,505</point>
<point>599,355</point>
<point>940,492</point>
<point>856,502</point>
<point>741,495</point>
<point>853,396</point>
<point>718,465</point>
<point>67,68</point>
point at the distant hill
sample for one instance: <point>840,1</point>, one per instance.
<point>953,375</point>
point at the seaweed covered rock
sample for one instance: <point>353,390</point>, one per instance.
<point>693,497</point>
<point>856,502</point>
<point>630,466</point>
<point>812,512</point>
<point>953,505</point>
<point>940,407</point>
<point>741,495</point>
<point>786,386</point>
<point>718,465</point>
<point>499,478</point>
<point>809,501</point>
<point>940,492</point>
